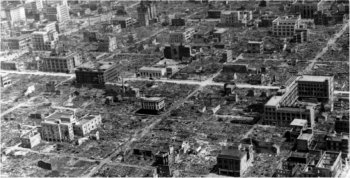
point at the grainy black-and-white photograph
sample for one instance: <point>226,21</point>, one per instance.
<point>174,88</point>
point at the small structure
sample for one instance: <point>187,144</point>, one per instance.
<point>235,161</point>
<point>5,80</point>
<point>30,139</point>
<point>152,72</point>
<point>153,104</point>
<point>45,165</point>
<point>298,125</point>
<point>304,141</point>
<point>256,46</point>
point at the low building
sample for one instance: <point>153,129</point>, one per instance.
<point>96,74</point>
<point>30,139</point>
<point>235,18</point>
<point>338,142</point>
<point>305,9</point>
<point>298,126</point>
<point>231,67</point>
<point>156,104</point>
<point>87,124</point>
<point>125,22</point>
<point>330,165</point>
<point>178,22</point>
<point>17,43</point>
<point>8,65</point>
<point>235,161</point>
<point>219,35</point>
<point>152,72</point>
<point>177,52</point>
<point>301,35</point>
<point>304,141</point>
<point>181,36</point>
<point>214,14</point>
<point>90,36</point>
<point>60,61</point>
<point>256,47</point>
<point>341,124</point>
<point>122,89</point>
<point>5,80</point>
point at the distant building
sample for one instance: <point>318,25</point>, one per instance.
<point>235,161</point>
<point>152,72</point>
<point>214,14</point>
<point>281,110</point>
<point>155,104</point>
<point>90,36</point>
<point>177,52</point>
<point>58,127</point>
<point>285,26</point>
<point>60,62</point>
<point>87,124</point>
<point>235,18</point>
<point>44,40</point>
<point>16,43</point>
<point>146,13</point>
<point>8,65</point>
<point>178,22</point>
<point>57,12</point>
<point>30,139</point>
<point>122,89</point>
<point>256,47</point>
<point>124,22</point>
<point>235,68</point>
<point>5,80</point>
<point>219,35</point>
<point>96,73</point>
<point>304,8</point>
<point>338,142</point>
<point>181,36</point>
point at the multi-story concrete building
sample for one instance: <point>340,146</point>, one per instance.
<point>152,72</point>
<point>60,62</point>
<point>153,103</point>
<point>58,127</point>
<point>87,124</point>
<point>341,124</point>
<point>16,43</point>
<point>107,44</point>
<point>47,26</point>
<point>301,35</point>
<point>285,26</point>
<point>256,47</point>
<point>235,161</point>
<point>146,13</point>
<point>44,40</point>
<point>96,73</point>
<point>57,12</point>
<point>214,14</point>
<point>304,141</point>
<point>235,18</point>
<point>15,14</point>
<point>177,51</point>
<point>338,142</point>
<point>305,8</point>
<point>281,110</point>
<point>181,36</point>
<point>178,22</point>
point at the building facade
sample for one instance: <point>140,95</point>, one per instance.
<point>152,72</point>
<point>124,22</point>
<point>235,18</point>
<point>60,62</point>
<point>96,73</point>
<point>304,8</point>
<point>181,36</point>
<point>285,26</point>
<point>44,40</point>
<point>87,124</point>
<point>256,47</point>
<point>146,13</point>
<point>58,12</point>
<point>30,139</point>
<point>16,43</point>
<point>15,14</point>
<point>153,103</point>
<point>56,130</point>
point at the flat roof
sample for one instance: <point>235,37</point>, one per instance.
<point>152,68</point>
<point>231,153</point>
<point>97,65</point>
<point>220,30</point>
<point>58,115</point>
<point>274,101</point>
<point>298,122</point>
<point>305,136</point>
<point>121,18</point>
<point>256,42</point>
<point>87,119</point>
<point>313,78</point>
<point>152,98</point>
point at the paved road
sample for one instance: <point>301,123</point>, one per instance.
<point>330,42</point>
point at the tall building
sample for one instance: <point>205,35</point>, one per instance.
<point>283,109</point>
<point>60,62</point>
<point>57,12</point>
<point>96,73</point>
<point>146,13</point>
<point>44,40</point>
<point>15,14</point>
<point>285,26</point>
